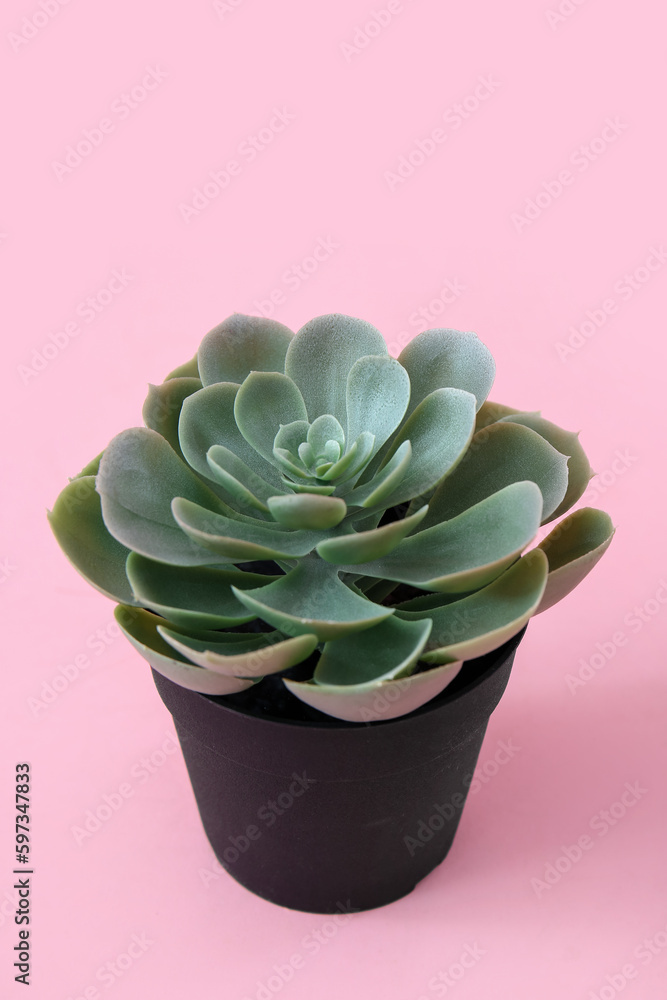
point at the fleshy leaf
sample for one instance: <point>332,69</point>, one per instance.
<point>207,418</point>
<point>439,431</point>
<point>383,652</point>
<point>470,550</point>
<point>307,487</point>
<point>323,429</point>
<point>490,413</point>
<point>267,653</point>
<point>195,597</point>
<point>91,469</point>
<point>312,598</point>
<point>140,627</point>
<point>377,394</point>
<point>483,621</point>
<point>162,407</point>
<point>188,369</point>
<point>76,521</point>
<point>499,455</point>
<point>384,483</point>
<point>341,464</point>
<point>442,358</point>
<point>264,402</point>
<point>307,510</point>
<point>347,471</point>
<point>248,490</point>
<point>236,541</point>
<point>321,355</point>
<point>567,443</point>
<point>362,546</point>
<point>375,702</point>
<point>139,474</point>
<point>573,548</point>
<point>241,344</point>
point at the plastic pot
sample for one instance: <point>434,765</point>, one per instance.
<point>323,815</point>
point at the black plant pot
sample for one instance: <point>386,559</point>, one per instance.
<point>324,815</point>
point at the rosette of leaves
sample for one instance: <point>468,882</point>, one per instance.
<point>307,497</point>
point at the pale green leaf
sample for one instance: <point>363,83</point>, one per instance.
<point>263,654</point>
<point>378,390</point>
<point>307,510</point>
<point>247,490</point>
<point>567,443</point>
<point>573,548</point>
<point>375,701</point>
<point>438,359</point>
<point>264,402</point>
<point>483,621</point>
<point>471,549</point>
<point>207,418</point>
<point>439,431</point>
<point>321,355</point>
<point>236,541</point>
<point>312,598</point>
<point>499,455</point>
<point>383,652</point>
<point>162,408</point>
<point>195,597</point>
<point>385,482</point>
<point>140,627</point>
<point>76,521</point>
<point>242,344</point>
<point>139,475</point>
<point>357,547</point>
<point>188,369</point>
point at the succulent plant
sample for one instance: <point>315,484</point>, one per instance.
<point>308,499</point>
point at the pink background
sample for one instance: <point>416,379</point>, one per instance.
<point>395,246</point>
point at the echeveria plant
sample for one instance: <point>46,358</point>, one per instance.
<point>307,497</point>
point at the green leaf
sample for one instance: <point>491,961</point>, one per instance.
<point>499,455</point>
<point>188,369</point>
<point>162,408</point>
<point>139,474</point>
<point>307,510</point>
<point>289,464</point>
<point>207,418</point>
<point>483,621</point>
<point>291,435</point>
<point>348,468</point>
<point>321,355</point>
<point>91,469</point>
<point>236,541</point>
<point>311,598</point>
<point>264,402</point>
<point>323,429</point>
<point>247,490</point>
<point>362,546</point>
<point>377,394</point>
<point>573,548</point>
<point>567,443</point>
<point>242,344</point>
<point>383,652</point>
<point>375,701</point>
<point>491,412</point>
<point>307,487</point>
<point>264,654</point>
<point>76,521</point>
<point>470,550</point>
<point>195,597</point>
<point>140,627</point>
<point>439,431</point>
<point>385,482</point>
<point>438,359</point>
